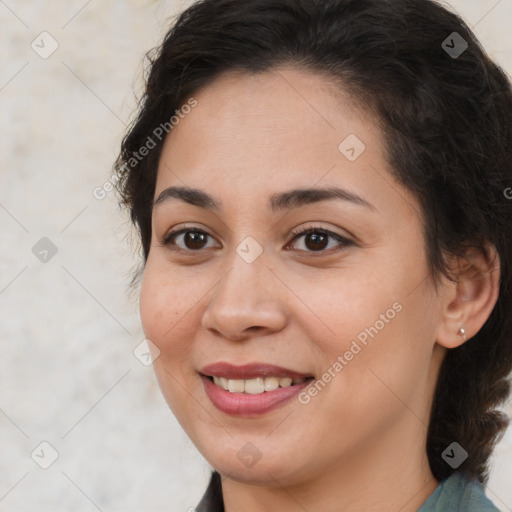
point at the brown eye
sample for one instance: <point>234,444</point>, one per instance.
<point>317,240</point>
<point>194,240</point>
<point>187,239</point>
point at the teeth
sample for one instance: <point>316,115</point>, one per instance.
<point>285,382</point>
<point>271,383</point>
<point>255,386</point>
<point>236,386</point>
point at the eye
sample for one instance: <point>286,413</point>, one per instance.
<point>192,239</point>
<point>317,239</point>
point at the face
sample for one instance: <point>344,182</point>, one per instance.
<point>238,293</point>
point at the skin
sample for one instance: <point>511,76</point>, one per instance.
<point>360,443</point>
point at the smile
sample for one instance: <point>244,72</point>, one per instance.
<point>255,386</point>
<point>253,389</point>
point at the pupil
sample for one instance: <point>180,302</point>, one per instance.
<point>194,238</point>
<point>316,237</point>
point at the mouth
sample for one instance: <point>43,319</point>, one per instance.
<point>252,389</point>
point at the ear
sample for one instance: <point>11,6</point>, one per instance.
<point>468,302</point>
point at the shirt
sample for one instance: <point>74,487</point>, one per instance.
<point>458,494</point>
<point>454,494</point>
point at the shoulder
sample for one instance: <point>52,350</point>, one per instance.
<point>458,494</point>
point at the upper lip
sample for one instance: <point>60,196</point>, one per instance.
<point>249,371</point>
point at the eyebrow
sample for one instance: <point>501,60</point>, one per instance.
<point>277,202</point>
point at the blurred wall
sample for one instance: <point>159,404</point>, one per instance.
<point>69,378</point>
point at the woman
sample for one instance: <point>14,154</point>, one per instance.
<point>320,190</point>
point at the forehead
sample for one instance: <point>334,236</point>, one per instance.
<point>252,135</point>
<point>243,121</point>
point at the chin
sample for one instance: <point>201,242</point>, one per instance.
<point>254,466</point>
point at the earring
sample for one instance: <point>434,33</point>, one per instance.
<point>462,332</point>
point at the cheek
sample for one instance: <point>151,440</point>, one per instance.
<point>358,305</point>
<point>381,322</point>
<point>165,311</point>
<point>153,315</point>
<point>386,363</point>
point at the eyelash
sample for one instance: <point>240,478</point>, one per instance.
<point>168,239</point>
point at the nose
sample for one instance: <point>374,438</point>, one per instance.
<point>247,301</point>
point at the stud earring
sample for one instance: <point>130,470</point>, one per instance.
<point>462,332</point>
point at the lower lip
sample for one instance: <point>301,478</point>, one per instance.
<point>245,404</point>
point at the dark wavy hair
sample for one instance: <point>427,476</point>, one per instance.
<point>447,122</point>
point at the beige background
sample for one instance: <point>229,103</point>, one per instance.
<point>68,326</point>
